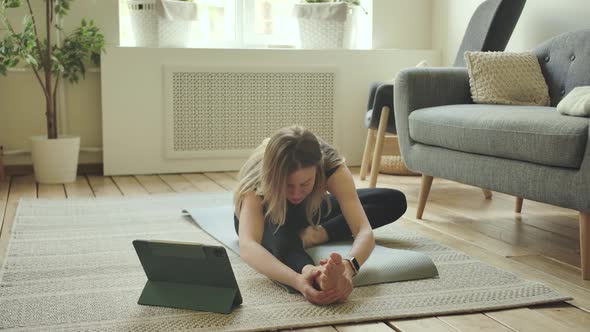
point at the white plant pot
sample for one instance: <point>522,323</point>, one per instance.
<point>55,160</point>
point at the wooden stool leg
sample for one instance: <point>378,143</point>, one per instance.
<point>379,147</point>
<point>424,192</point>
<point>584,245</point>
<point>487,193</point>
<point>518,207</point>
<point>369,146</point>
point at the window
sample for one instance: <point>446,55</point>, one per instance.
<point>232,23</point>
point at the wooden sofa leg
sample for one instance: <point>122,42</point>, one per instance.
<point>487,193</point>
<point>584,245</point>
<point>379,146</point>
<point>518,207</point>
<point>424,191</point>
<point>369,146</point>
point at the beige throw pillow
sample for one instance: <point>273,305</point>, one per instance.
<point>506,78</point>
<point>576,103</point>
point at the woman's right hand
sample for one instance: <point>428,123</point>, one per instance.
<point>305,286</point>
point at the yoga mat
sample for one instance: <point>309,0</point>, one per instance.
<point>384,264</point>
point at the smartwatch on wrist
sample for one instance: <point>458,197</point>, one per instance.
<point>354,264</point>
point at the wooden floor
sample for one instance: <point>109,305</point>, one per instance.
<point>540,244</point>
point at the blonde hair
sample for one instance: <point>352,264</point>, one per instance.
<point>267,169</point>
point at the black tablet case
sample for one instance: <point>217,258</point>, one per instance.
<point>187,276</point>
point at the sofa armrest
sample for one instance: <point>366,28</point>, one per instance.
<point>417,88</point>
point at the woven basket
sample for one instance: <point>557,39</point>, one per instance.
<point>149,30</point>
<point>327,34</point>
<point>394,165</point>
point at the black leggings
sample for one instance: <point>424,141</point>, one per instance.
<point>382,206</point>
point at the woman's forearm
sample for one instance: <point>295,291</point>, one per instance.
<point>264,262</point>
<point>363,245</point>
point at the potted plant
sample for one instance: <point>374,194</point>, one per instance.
<point>55,158</point>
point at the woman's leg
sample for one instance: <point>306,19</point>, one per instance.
<point>284,242</point>
<point>381,205</point>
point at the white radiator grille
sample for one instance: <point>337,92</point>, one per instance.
<point>230,111</point>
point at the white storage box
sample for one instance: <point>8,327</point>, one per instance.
<point>162,23</point>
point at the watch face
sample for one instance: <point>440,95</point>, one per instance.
<point>355,263</point>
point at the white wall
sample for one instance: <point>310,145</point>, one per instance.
<point>134,112</point>
<point>540,20</point>
<point>402,24</point>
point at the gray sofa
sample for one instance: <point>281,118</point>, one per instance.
<point>527,151</point>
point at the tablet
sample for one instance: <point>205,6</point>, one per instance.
<point>188,276</point>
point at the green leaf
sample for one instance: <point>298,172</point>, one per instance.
<point>11,3</point>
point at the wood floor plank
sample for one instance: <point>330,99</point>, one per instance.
<point>364,327</point>
<point>575,319</point>
<point>454,225</point>
<point>543,220</point>
<point>532,206</point>
<point>153,184</point>
<point>51,191</point>
<point>474,322</point>
<point>527,320</point>
<point>581,296</point>
<point>314,329</point>
<point>103,186</point>
<point>80,188</point>
<point>203,183</point>
<point>516,234</point>
<point>545,233</point>
<point>178,183</point>
<point>432,324</point>
<point>20,187</point>
<point>222,179</point>
<point>4,188</point>
<point>129,186</point>
<point>556,268</point>
<point>466,201</point>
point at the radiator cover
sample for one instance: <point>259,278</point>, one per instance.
<point>228,111</point>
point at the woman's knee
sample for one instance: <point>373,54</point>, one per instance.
<point>397,203</point>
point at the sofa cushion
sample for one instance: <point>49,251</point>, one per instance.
<point>528,133</point>
<point>506,78</point>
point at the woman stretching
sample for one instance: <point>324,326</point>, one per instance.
<point>282,206</point>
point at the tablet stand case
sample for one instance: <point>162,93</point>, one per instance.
<point>187,276</point>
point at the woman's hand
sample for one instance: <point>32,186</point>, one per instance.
<point>344,288</point>
<point>306,287</point>
<point>344,285</point>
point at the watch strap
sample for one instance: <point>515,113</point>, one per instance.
<point>354,264</point>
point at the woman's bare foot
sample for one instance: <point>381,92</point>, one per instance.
<point>332,272</point>
<point>313,235</point>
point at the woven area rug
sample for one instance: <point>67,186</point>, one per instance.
<point>71,266</point>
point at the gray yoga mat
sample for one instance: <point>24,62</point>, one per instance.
<point>384,264</point>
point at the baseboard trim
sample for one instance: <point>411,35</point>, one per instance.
<point>16,170</point>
